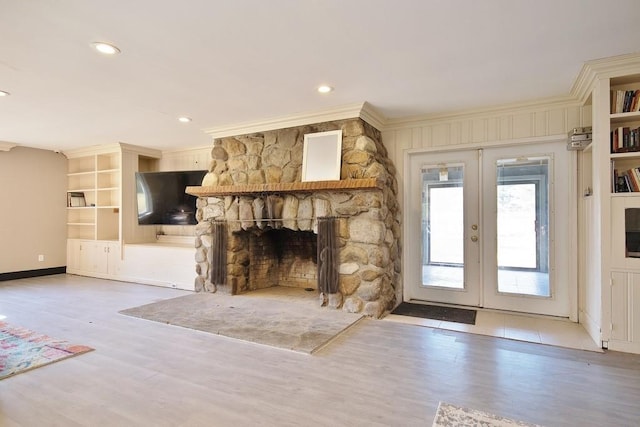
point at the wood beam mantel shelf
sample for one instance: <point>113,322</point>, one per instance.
<point>285,187</point>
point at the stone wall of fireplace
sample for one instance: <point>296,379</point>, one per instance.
<point>368,219</point>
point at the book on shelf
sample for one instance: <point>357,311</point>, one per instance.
<point>627,181</point>
<point>625,101</point>
<point>621,183</point>
<point>625,139</point>
<point>75,199</point>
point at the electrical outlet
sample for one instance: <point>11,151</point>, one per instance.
<point>40,258</point>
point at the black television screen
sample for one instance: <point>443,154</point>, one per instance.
<point>162,200</point>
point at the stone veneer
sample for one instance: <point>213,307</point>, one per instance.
<point>369,224</point>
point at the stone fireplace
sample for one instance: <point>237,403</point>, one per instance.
<point>258,223</point>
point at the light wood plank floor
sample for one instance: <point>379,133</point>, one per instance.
<point>378,373</point>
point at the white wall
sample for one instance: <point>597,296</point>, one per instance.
<point>33,209</point>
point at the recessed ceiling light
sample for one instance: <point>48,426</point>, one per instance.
<point>3,93</point>
<point>106,48</point>
<point>324,89</point>
<point>184,119</point>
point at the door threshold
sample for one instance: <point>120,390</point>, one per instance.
<point>534,328</point>
<point>494,310</point>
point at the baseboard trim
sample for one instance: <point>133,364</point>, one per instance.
<point>32,273</point>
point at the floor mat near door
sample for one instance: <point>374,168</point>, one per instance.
<point>449,314</point>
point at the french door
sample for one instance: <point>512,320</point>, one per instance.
<point>482,228</point>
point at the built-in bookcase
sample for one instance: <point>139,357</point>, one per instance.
<point>93,196</point>
<point>624,135</point>
<point>622,233</point>
<point>101,206</point>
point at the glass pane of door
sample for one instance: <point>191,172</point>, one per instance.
<point>443,226</point>
<point>522,226</point>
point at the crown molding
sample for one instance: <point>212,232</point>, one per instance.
<point>111,148</point>
<point>145,151</point>
<point>362,110</point>
<point>6,146</point>
<point>371,115</point>
<point>182,150</point>
<point>614,66</point>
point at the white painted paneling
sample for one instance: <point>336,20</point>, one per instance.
<point>191,159</point>
<point>416,138</point>
<point>493,129</point>
<point>505,126</point>
<point>634,307</point>
<point>574,117</point>
<point>466,130</point>
<point>427,137</point>
<point>478,130</point>
<point>541,123</point>
<point>441,135</point>
<point>523,125</point>
<point>625,307</point>
<point>587,118</point>
<point>556,121</point>
<point>389,142</point>
<point>619,298</point>
<point>406,136</point>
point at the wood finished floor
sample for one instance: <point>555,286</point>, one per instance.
<point>376,374</point>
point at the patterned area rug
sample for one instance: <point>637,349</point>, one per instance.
<point>22,349</point>
<point>456,416</point>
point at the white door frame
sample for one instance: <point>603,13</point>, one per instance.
<point>409,253</point>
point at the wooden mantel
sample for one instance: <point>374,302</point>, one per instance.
<point>285,187</point>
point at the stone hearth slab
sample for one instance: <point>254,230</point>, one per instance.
<point>288,318</point>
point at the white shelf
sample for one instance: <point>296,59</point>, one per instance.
<point>81,173</point>
<point>626,194</point>
<point>77,190</point>
<point>624,117</point>
<point>627,155</point>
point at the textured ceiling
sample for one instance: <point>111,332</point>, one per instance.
<point>227,62</point>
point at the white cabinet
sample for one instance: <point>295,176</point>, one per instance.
<point>625,312</point>
<point>157,264</point>
<point>625,232</point>
<point>99,258</point>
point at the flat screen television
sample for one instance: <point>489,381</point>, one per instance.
<point>162,200</point>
